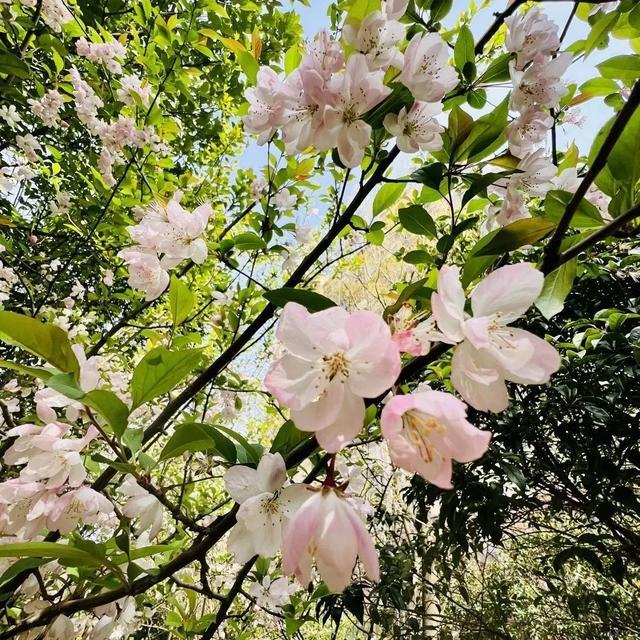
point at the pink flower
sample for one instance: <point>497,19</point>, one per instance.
<point>540,84</point>
<point>334,359</point>
<point>491,351</point>
<point>376,37</point>
<point>528,130</point>
<point>357,90</point>
<point>531,36</point>
<point>425,431</point>
<point>324,56</point>
<point>328,529</point>
<point>511,210</point>
<point>416,129</point>
<point>267,101</point>
<point>143,505</point>
<point>145,272</point>
<point>82,505</point>
<point>536,172</point>
<point>426,71</point>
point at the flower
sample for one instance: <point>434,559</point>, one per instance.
<point>141,504</point>
<point>491,351</point>
<point>357,90</point>
<point>528,130</point>
<point>145,272</point>
<point>47,107</point>
<point>284,199</point>
<point>102,53</point>
<point>395,9</point>
<point>30,146</point>
<point>79,505</point>
<point>10,115</point>
<point>425,431</point>
<point>426,71</point>
<point>531,36</point>
<point>334,359</point>
<point>416,129</point>
<point>511,210</point>
<point>60,629</point>
<point>328,529</point>
<point>267,101</point>
<point>535,172</point>
<point>376,37</point>
<point>265,506</point>
<point>131,86</point>
<point>272,594</point>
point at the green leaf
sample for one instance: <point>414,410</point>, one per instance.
<point>486,135</point>
<point>463,51</point>
<point>160,371</point>
<point>557,286</point>
<point>44,340</point>
<point>110,407</point>
<point>430,175</point>
<point>498,70</point>
<point>20,566</point>
<point>517,234</point>
<point>249,242</point>
<point>459,126</point>
<point>476,265</point>
<point>252,453</point>
<point>418,256</point>
<point>36,372</point>
<point>13,66</point>
<point>586,216</point>
<point>415,219</point>
<point>387,196</point>
<point>181,300</point>
<point>194,436</point>
<point>292,59</point>
<point>287,438</point>
<point>600,30</point>
<point>249,65</point>
<point>625,68</point>
<point>599,87</point>
<point>49,550</point>
<point>65,383</point>
<point>480,182</point>
<point>311,300</point>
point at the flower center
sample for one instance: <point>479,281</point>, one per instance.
<point>418,426</point>
<point>336,363</point>
<point>270,506</point>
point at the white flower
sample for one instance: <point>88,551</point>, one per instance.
<point>265,506</point>
<point>141,504</point>
<point>284,199</point>
<point>272,594</point>
<point>30,146</point>
<point>376,37</point>
<point>416,129</point>
<point>10,115</point>
<point>60,629</point>
<point>48,107</point>
<point>531,36</point>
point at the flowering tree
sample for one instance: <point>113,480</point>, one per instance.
<point>233,396</point>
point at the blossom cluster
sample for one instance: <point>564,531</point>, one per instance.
<point>165,235</point>
<point>324,102</point>
<point>332,361</point>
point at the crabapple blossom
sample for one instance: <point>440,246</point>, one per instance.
<point>324,56</point>
<point>30,146</point>
<point>328,528</point>
<point>536,171</point>
<point>141,504</point>
<point>55,14</point>
<point>357,90</point>
<point>130,86</point>
<point>102,53</point>
<point>284,199</point>
<point>531,36</point>
<point>491,351</point>
<point>265,506</point>
<point>86,101</point>
<point>426,431</point>
<point>266,105</point>
<point>527,131</point>
<point>78,505</point>
<point>417,338</point>
<point>48,107</point>
<point>512,209</point>
<point>10,115</point>
<point>145,272</point>
<point>540,84</point>
<point>426,71</point>
<point>394,9</point>
<point>61,204</point>
<point>272,594</point>
<point>60,629</point>
<point>567,180</point>
<point>117,620</point>
<point>416,129</point>
<point>258,186</point>
<point>333,360</point>
<point>376,37</point>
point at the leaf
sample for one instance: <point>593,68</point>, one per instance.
<point>110,407</point>
<point>486,135</point>
<point>44,340</point>
<point>517,234</point>
<point>599,87</point>
<point>194,436</point>
<point>181,300</point>
<point>557,286</point>
<point>252,453</point>
<point>463,51</point>
<point>36,372</point>
<point>418,256</point>
<point>625,68</point>
<point>20,566</point>
<point>415,219</point>
<point>480,182</point>
<point>65,383</point>
<point>49,550</point>
<point>498,70</point>
<point>311,300</point>
<point>476,265</point>
<point>248,242</point>
<point>586,216</point>
<point>459,126</point>
<point>600,30</point>
<point>287,438</point>
<point>13,66</point>
<point>430,175</point>
<point>292,59</point>
<point>387,196</point>
<point>249,65</point>
<point>159,371</point>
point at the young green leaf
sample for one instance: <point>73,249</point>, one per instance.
<point>181,300</point>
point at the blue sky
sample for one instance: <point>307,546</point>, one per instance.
<point>594,112</point>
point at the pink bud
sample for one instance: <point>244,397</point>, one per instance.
<point>33,239</point>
